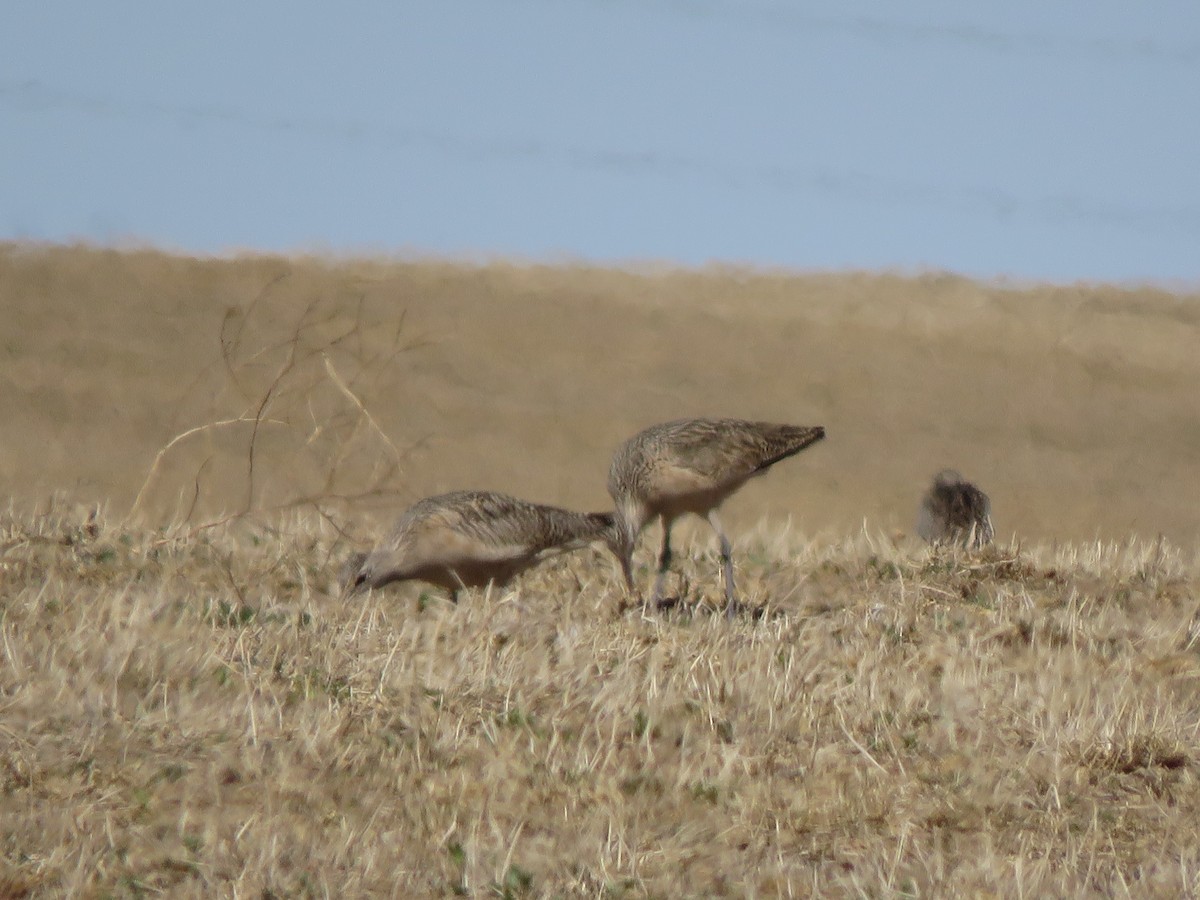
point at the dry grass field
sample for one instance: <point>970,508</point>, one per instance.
<point>204,716</point>
<point>189,706</point>
<point>1075,408</point>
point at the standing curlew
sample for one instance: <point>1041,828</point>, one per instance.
<point>692,466</point>
<point>474,538</point>
<point>954,510</point>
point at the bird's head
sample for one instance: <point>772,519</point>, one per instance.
<point>948,478</point>
<point>628,520</point>
<point>357,573</point>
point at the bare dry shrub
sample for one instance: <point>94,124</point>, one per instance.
<point>285,426</point>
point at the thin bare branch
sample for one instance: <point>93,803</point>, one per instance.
<point>199,429</point>
<point>342,386</point>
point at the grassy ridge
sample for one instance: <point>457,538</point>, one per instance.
<point>205,715</point>
<point>1072,406</point>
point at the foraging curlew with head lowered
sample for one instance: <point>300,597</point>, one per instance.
<point>955,511</point>
<point>473,538</point>
<point>692,466</point>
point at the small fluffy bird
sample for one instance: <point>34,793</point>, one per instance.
<point>955,511</point>
<point>471,539</point>
<point>692,466</point>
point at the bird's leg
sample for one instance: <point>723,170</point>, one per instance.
<point>664,563</point>
<point>631,589</point>
<point>731,604</point>
<point>627,570</point>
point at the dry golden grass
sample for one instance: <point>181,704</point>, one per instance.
<point>191,708</point>
<point>202,716</point>
<point>1074,408</point>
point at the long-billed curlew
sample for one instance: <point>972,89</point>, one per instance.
<point>955,511</point>
<point>692,466</point>
<point>473,538</point>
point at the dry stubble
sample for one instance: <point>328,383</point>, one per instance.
<point>202,716</point>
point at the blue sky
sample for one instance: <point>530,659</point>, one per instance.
<point>1029,139</point>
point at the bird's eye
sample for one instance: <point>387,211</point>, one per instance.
<point>360,579</point>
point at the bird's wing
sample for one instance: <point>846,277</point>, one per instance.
<point>717,453</point>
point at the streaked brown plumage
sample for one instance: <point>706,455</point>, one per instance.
<point>474,538</point>
<point>955,511</point>
<point>692,466</point>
